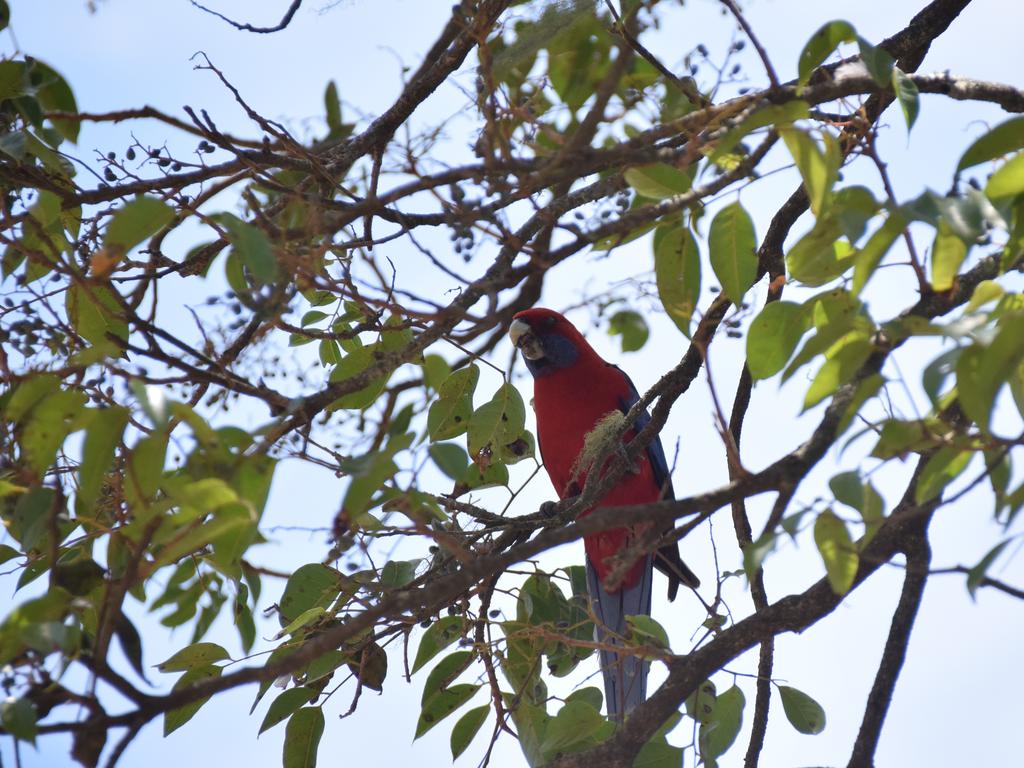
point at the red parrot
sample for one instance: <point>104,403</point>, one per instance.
<point>574,389</point>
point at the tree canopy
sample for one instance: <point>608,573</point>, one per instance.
<point>186,315</point>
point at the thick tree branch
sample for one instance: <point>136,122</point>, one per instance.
<point>918,553</point>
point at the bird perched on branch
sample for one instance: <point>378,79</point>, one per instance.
<point>580,401</point>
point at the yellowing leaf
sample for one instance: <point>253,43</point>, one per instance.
<point>837,551</point>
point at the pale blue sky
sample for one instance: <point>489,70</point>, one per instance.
<point>957,702</point>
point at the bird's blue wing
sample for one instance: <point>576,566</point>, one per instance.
<point>655,450</point>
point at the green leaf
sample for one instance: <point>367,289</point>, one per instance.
<point>658,181</point>
<point>50,421</point>
<point>732,245</point>
<point>632,327</point>
<point>647,630</point>
<point>102,437</point>
<point>285,705</point>
<point>976,575</point>
<point>18,717</point>
<point>438,636</point>
<point>531,722</point>
<point>350,366</point>
<point>303,620</point>
<point>820,256</point>
<point>193,656</point>
<point>94,311</point>
<point>302,738</point>
<point>497,422</point>
<point>28,394</point>
<point>312,317</point>
<point>450,459</point>
<point>371,667</point>
<point>251,245</point>
<point>398,573</point>
<point>5,14</point>
<point>145,469</point>
<point>13,75</point>
<point>175,718</point>
<point>878,61</point>
<point>843,360</point>
<point>1008,181</point>
<point>466,728</point>
<point>848,488</point>
<point>821,45</point>
<point>55,95</point>
<point>324,665</point>
<point>8,553</point>
<point>837,551</point>
<point>489,477</point>
<point>659,754</point>
<point>700,705</point>
<point>852,207</point>
<point>948,253</point>
<point>441,704</point>
<point>610,241</point>
<point>590,694</point>
<point>677,273</point>
<point>803,712</point>
<point>449,415</point>
<point>868,258</point>
<point>446,671</point>
<point>726,721</point>
<point>906,93</point>
<point>329,352</point>
<point>31,515</point>
<point>137,220</point>
<point>941,469</point>
<point>332,106</point>
<point>755,553</point>
<point>575,722</point>
<point>984,292</point>
<point>773,114</point>
<point>773,336</point>
<point>311,585</point>
<point>435,371</point>
<point>1001,140</point>
<point>819,170</point>
<point>982,371</point>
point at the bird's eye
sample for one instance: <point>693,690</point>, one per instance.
<point>549,321</point>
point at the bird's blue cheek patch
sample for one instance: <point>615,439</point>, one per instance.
<point>559,353</point>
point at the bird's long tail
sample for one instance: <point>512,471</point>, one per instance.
<point>625,677</point>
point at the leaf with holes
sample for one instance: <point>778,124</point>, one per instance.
<point>449,415</point>
<point>803,712</point>
<point>498,422</point>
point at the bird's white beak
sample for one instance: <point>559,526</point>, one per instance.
<point>524,340</point>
